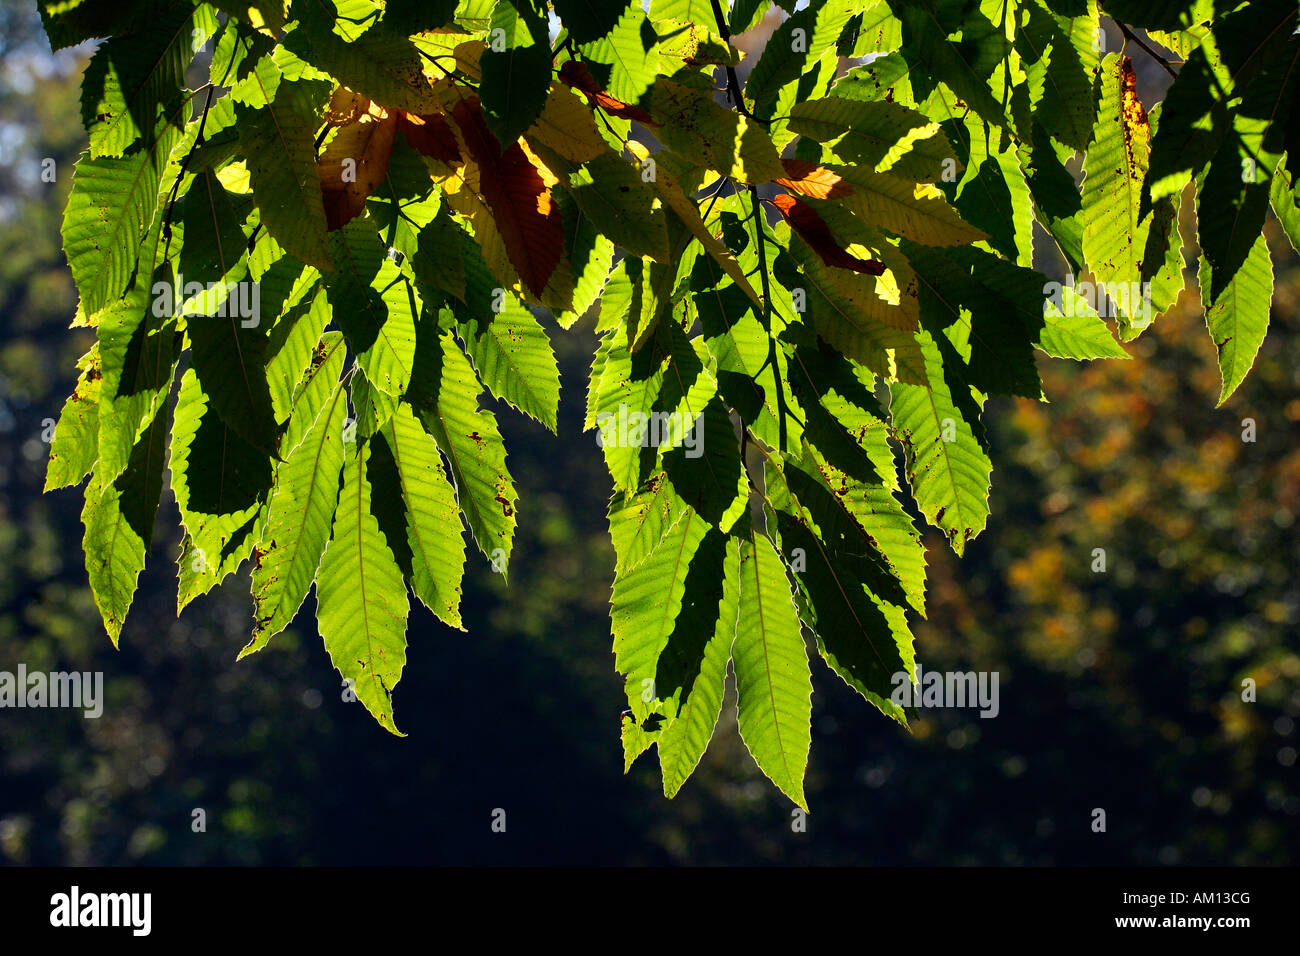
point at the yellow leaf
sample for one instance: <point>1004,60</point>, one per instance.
<point>567,127</point>
<point>676,200</point>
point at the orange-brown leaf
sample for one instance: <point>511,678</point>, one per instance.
<point>352,165</point>
<point>517,192</point>
<point>346,107</point>
<point>579,77</point>
<point>812,228</point>
<point>430,135</point>
<point>811,179</point>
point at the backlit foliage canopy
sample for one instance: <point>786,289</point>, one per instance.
<point>314,270</point>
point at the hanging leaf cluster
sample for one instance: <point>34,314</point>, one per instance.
<point>314,271</point>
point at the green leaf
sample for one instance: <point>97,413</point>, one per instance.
<point>69,22</point>
<point>864,638</point>
<point>1114,230</point>
<point>628,384</point>
<point>214,232</point>
<point>511,352</point>
<point>1232,197</point>
<point>514,87</point>
<point>949,478</point>
<point>1237,314</point>
<point>916,211</point>
<point>1163,14</point>
<point>131,77</point>
<point>231,364</point>
<point>110,207</point>
<point>774,689</point>
<point>1059,55</point>
<point>373,406</point>
<point>788,54</point>
<point>706,468</point>
<point>252,72</point>
<point>994,196</point>
<point>684,739</point>
<point>75,445</point>
<point>1162,262</point>
<point>740,347</point>
<point>282,281</point>
<point>630,51</point>
<point>413,16</point>
<point>1058,322</point>
<point>296,347</point>
<point>670,191</point>
<point>619,204</point>
<point>697,128</point>
<point>433,530</point>
<point>848,479</point>
<point>875,30</point>
<point>591,255</point>
<point>379,63</point>
<point>842,315</point>
<point>639,520</point>
<point>299,521</point>
<point>1286,205</point>
<point>882,135</point>
<point>644,608</point>
<point>361,602</point>
<point>744,13</point>
<point>438,275</point>
<point>1056,198</point>
<point>221,483</point>
<point>268,14</point>
<point>375,304</point>
<point>279,147</point>
<point>137,349</point>
<point>119,519</point>
<point>1194,28</point>
<point>884,78</point>
<point>955,42</point>
<point>589,20</point>
<point>1000,357</point>
<point>1193,119</point>
<point>445,393</point>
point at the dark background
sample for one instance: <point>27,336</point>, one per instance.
<point>1118,690</point>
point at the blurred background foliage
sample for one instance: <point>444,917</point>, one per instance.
<point>1119,690</point>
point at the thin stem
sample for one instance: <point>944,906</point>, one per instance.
<point>1130,35</point>
<point>604,118</point>
<point>767,315</point>
<point>733,81</point>
<point>171,196</point>
<point>565,43</point>
<point>722,184</point>
<point>744,457</point>
<point>452,75</point>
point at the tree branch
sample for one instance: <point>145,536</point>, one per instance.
<point>733,82</point>
<point>1130,35</point>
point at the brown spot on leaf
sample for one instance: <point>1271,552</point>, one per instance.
<point>1133,114</point>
